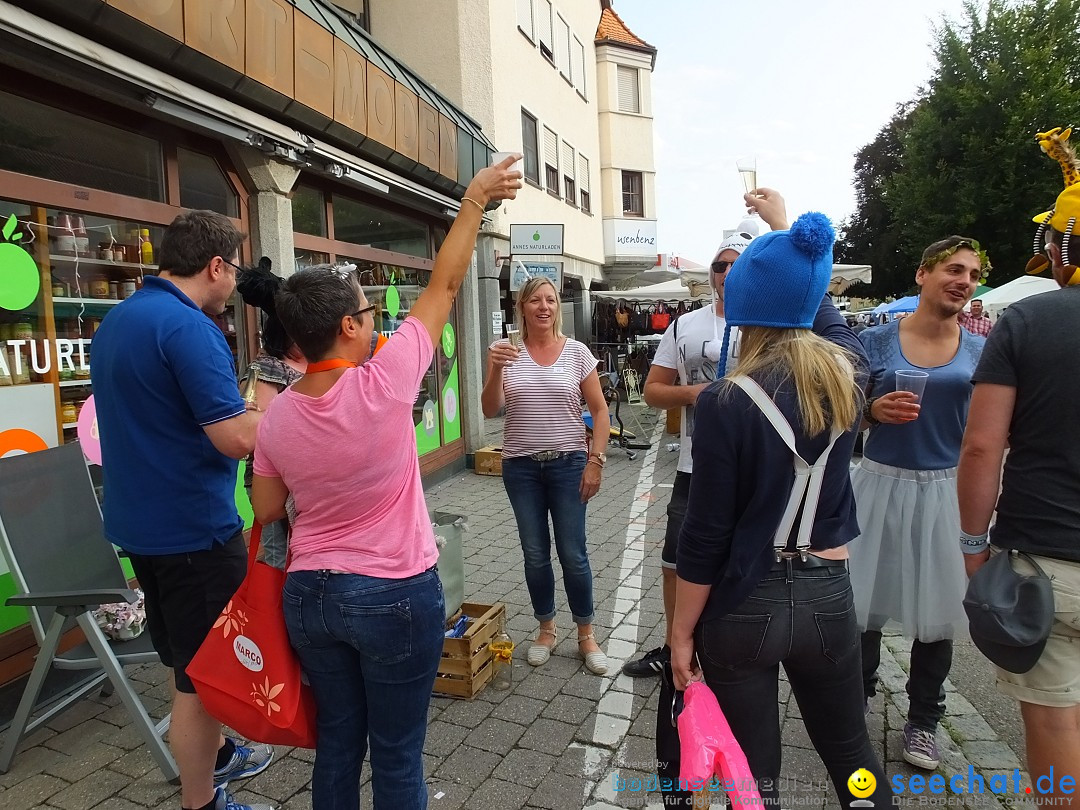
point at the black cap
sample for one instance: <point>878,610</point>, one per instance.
<point>1009,613</point>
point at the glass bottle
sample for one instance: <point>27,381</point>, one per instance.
<point>502,651</point>
<point>82,238</point>
<point>145,247</point>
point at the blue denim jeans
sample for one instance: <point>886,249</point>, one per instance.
<point>535,489</point>
<point>370,648</point>
<point>803,618</point>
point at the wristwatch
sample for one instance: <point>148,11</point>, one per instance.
<point>867,414</point>
<point>601,456</point>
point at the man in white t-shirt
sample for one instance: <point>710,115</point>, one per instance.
<point>684,364</point>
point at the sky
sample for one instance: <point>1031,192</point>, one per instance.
<point>801,85</point>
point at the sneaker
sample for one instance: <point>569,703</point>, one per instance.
<point>247,760</point>
<point>652,663</point>
<point>223,801</point>
<point>920,747</point>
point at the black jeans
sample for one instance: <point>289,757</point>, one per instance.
<point>803,617</point>
<point>930,665</point>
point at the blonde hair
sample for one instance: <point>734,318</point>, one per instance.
<point>823,373</point>
<point>527,291</point>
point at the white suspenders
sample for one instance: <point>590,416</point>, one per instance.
<point>808,477</point>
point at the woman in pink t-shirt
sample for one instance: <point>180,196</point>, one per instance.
<point>363,602</point>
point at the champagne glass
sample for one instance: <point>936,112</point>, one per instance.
<point>748,172</point>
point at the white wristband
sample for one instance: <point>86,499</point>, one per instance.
<point>974,543</point>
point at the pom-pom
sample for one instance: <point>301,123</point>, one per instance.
<point>813,234</point>
<point>258,285</point>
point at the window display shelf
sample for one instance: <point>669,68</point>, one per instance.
<point>73,383</point>
<point>56,258</point>
<point>90,302</point>
<point>70,425</point>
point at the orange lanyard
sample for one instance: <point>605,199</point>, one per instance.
<point>327,365</point>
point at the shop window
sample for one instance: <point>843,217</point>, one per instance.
<point>363,224</point>
<point>309,210</point>
<point>632,202</point>
<point>203,185</point>
<point>393,290</point>
<point>54,144</point>
<point>310,258</point>
<point>583,184</point>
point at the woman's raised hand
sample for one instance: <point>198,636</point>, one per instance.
<point>502,354</point>
<point>496,182</point>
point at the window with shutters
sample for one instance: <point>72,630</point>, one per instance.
<point>544,15</point>
<point>525,19</point>
<point>530,148</point>
<point>629,99</point>
<point>633,203</point>
<point>569,164</point>
<point>578,68</point>
<point>551,161</point>
<point>583,183</point>
<point>562,48</point>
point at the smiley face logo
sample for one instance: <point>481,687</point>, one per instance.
<point>861,783</point>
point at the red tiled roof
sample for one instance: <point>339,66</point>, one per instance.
<point>613,29</point>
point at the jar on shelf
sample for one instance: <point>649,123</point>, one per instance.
<point>99,287</point>
<point>146,249</point>
<point>114,290</point>
<point>59,289</point>
<point>65,235</point>
<point>24,330</point>
<point>127,288</point>
<point>68,413</point>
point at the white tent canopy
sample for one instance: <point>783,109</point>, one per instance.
<point>997,299</point>
<point>673,290</point>
<point>843,276</point>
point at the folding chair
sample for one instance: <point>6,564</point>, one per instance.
<point>63,567</point>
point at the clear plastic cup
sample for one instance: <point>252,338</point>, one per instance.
<point>909,379</point>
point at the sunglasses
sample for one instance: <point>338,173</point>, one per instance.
<point>721,267</point>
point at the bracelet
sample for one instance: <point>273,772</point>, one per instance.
<point>595,461</point>
<point>474,202</point>
<point>974,543</point>
<point>867,411</point>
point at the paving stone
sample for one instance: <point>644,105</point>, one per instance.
<point>284,778</point>
<point>587,761</point>
<point>82,737</point>
<point>540,686</point>
<point>965,728</point>
<point>568,709</point>
<point>602,730</point>
<point>28,762</point>
<point>155,792</point>
<point>523,766</point>
<point>442,738</point>
<point>559,792</point>
<point>624,787</point>
<point>586,685</point>
<point>549,736</point>
<point>113,803</point>
<point>89,790</point>
<point>500,794</point>
<point>468,713</point>
<point>468,766</point>
<point>32,791</point>
<point>497,736</point>
<point>991,755</point>
<point>134,764</point>
<point>86,762</point>
<point>520,709</point>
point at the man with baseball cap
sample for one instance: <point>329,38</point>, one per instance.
<point>1026,389</point>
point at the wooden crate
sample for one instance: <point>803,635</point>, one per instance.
<point>466,665</point>
<point>488,460</point>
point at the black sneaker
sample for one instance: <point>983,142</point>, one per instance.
<point>652,663</point>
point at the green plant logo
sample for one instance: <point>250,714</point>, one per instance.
<point>536,236</point>
<point>449,341</point>
<point>19,279</point>
<point>393,298</point>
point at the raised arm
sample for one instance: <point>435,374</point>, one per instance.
<point>432,308</point>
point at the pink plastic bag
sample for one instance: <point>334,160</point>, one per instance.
<point>709,748</point>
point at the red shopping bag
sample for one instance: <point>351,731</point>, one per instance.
<point>246,672</point>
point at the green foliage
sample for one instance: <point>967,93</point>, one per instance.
<point>962,158</point>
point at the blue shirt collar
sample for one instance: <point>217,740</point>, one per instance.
<point>158,284</point>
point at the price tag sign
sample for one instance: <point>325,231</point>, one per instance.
<point>497,323</point>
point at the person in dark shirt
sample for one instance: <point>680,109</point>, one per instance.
<point>761,560</point>
<point>1027,385</point>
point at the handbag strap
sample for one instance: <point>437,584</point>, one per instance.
<point>808,477</point>
<point>254,543</point>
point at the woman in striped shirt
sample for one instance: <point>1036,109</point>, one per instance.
<point>548,466</point>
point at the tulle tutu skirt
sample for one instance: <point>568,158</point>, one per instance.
<point>907,566</point>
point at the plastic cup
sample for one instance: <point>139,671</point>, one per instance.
<point>516,166</point>
<point>513,334</point>
<point>913,381</point>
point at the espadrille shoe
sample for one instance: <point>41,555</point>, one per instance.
<point>540,653</point>
<point>595,662</point>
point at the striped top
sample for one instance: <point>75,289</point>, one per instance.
<point>543,403</point>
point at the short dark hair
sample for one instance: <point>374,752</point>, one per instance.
<point>311,304</point>
<point>940,246</point>
<point>194,238</point>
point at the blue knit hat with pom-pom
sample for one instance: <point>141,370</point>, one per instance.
<point>780,279</point>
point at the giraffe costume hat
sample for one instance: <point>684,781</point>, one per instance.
<point>1066,211</point>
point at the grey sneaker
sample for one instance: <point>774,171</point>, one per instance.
<point>920,747</point>
<point>223,801</point>
<point>247,760</point>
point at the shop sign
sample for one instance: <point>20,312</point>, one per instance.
<point>535,240</point>
<point>630,238</point>
<point>70,355</point>
<point>520,272</point>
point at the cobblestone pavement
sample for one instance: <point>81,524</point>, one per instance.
<point>560,738</point>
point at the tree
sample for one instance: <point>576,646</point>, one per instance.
<point>964,159</point>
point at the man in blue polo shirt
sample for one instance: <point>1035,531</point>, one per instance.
<point>172,426</point>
